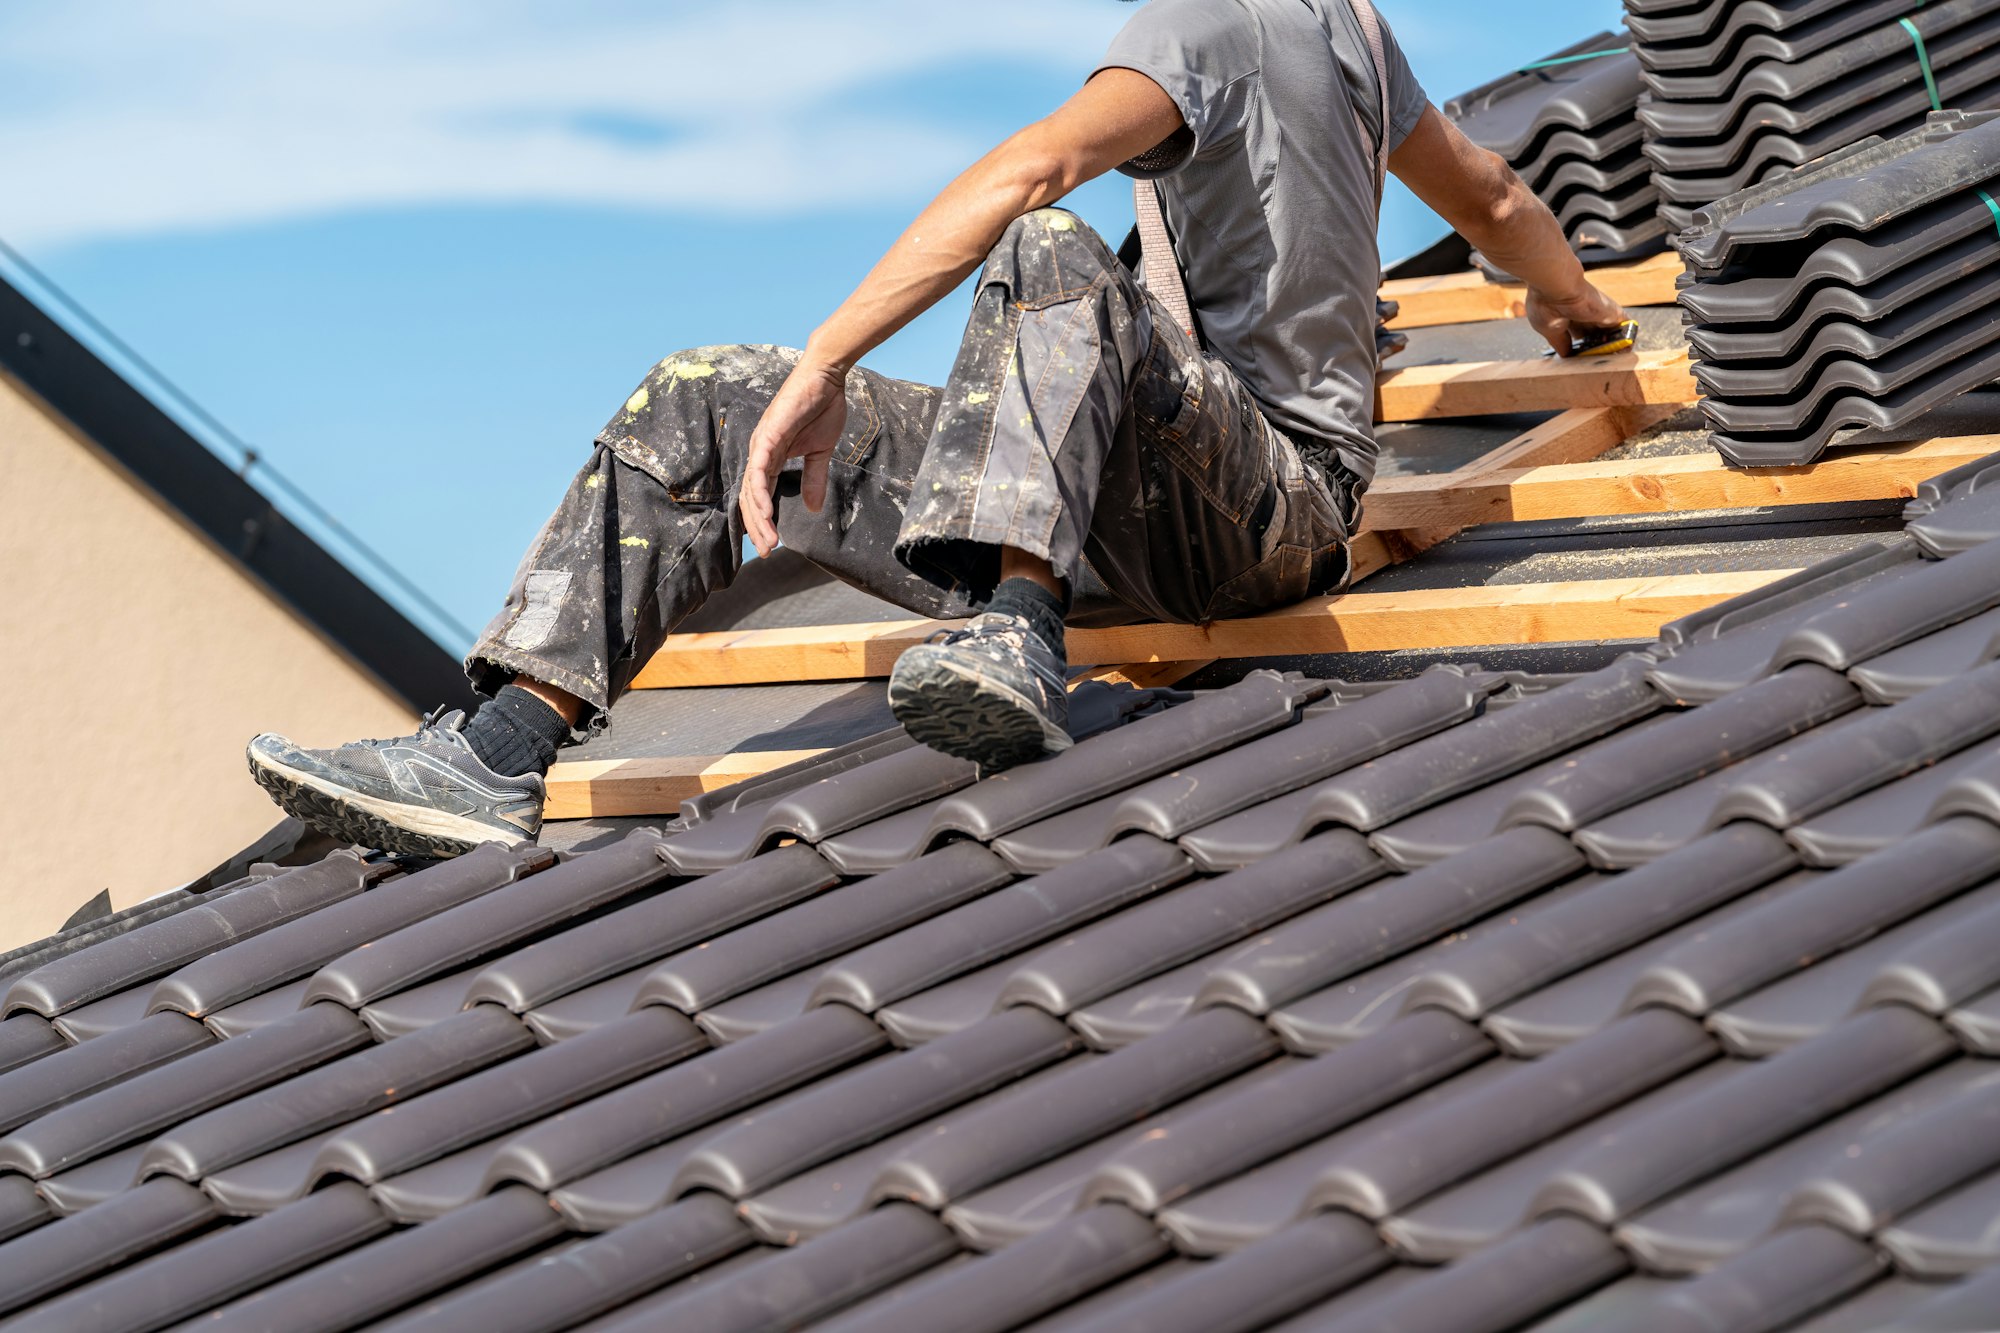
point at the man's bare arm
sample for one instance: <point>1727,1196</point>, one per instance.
<point>1486,203</point>
<point>1115,116</point>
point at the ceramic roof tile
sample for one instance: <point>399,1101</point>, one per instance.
<point>1931,660</point>
<point>1544,1266</point>
<point>22,1208</point>
<point>1887,814</point>
<point>78,1071</point>
<point>27,1037</point>
<point>1795,1272</point>
<point>98,1239</point>
<point>1950,1236</point>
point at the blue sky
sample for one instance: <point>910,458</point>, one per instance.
<point>416,254</point>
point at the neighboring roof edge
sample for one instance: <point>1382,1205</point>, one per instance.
<point>235,516</point>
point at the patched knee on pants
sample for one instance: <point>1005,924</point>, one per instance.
<point>542,597</point>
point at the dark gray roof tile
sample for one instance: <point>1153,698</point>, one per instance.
<point>797,1286</point>
<point>1884,744</point>
<point>1186,923</point>
<point>26,1037</point>
<point>120,1009</point>
<point>1543,1267</point>
<point>99,1238</point>
<point>387,1274</point>
<point>1795,1272</point>
<point>128,1111</point>
<point>1000,923</point>
<point>403,1012</point>
<point>1179,802</point>
<point>1932,1149</point>
<point>1306,1262</point>
<point>214,1269</point>
<point>1634,766</point>
<point>947,1008</point>
<point>22,1209</point>
<point>591,1278</point>
<point>884,844</point>
<point>1717,1127</point>
<point>1955,1234</point>
<point>1441,766</point>
<point>260,1010</point>
<point>331,1095</point>
<point>490,922</point>
<point>514,1092</point>
<point>439,1186</point>
<point>1150,1006</point>
<point>159,947</point>
<point>1875,819</point>
<point>1839,909</point>
<point>1932,660</point>
<point>589,1007</point>
<point>1952,956</point>
<point>1971,1304</point>
<point>1728,1214</point>
<point>1351,933</point>
<point>1082,1312</point>
<point>1730,645</point>
<point>1040,1197</point>
<point>822,927</point>
<point>78,1071</point>
<point>1360,1297</point>
<point>833,805</point>
<point>1245,1207</point>
<point>1009,1135</point>
<point>683,915</point>
<point>759,1010</point>
<point>1613,914</point>
<point>667,1104</point>
<point>1976,791</point>
<point>888,1095</point>
<point>1962,525</point>
<point>1081,1254</point>
<point>1584,1001</point>
<point>822,1198</point>
<point>96,1180</point>
<point>1414,1156</point>
<point>722,1270</point>
<point>1363,1003</point>
<point>263,1184</point>
<point>1306,1101</point>
<point>300,946</point>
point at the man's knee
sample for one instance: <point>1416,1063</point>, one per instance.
<point>1050,246</point>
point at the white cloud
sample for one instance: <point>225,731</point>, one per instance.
<point>151,115</point>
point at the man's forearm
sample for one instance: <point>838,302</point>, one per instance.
<point>949,239</point>
<point>1522,237</point>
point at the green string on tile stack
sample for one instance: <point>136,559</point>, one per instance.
<point>1571,60</point>
<point>1937,103</point>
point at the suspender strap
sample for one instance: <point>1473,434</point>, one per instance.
<point>1163,271</point>
<point>1371,28</point>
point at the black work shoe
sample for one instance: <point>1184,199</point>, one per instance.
<point>421,795</point>
<point>991,692</point>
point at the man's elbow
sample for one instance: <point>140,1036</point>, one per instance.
<point>1032,172</point>
<point>1509,203</point>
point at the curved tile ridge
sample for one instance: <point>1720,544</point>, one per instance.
<point>1942,970</point>
<point>1262,701</point>
<point>831,806</point>
<point>1388,918</point>
<point>1692,1137</point>
<point>490,922</point>
<point>161,946</point>
<point>296,948</point>
<point>1625,910</point>
<point>1882,745</point>
<point>1002,922</point>
<point>633,936</point>
<point>1431,1149</point>
<point>1795,1272</point>
<point>101,1237</point>
<point>78,1071</point>
<point>1877,619</point>
<point>1623,770</point>
<point>1302,1104</point>
<point>126,1112</point>
<point>399,1138</point>
<point>1438,767</point>
<point>1974,792</point>
<point>1840,909</point>
<point>1178,802</point>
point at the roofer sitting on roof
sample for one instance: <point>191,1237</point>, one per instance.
<point>1090,457</point>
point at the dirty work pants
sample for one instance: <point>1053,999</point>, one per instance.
<point>1079,424</point>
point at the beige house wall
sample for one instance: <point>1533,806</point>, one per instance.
<point>139,660</point>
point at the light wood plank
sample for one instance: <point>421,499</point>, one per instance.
<point>1483,388</point>
<point>1143,675</point>
<point>1468,297</point>
<point>604,788</point>
<point>1664,485</point>
<point>1356,622</point>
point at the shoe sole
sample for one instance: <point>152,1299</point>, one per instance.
<point>386,826</point>
<point>964,714</point>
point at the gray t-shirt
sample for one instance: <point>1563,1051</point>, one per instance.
<point>1272,204</point>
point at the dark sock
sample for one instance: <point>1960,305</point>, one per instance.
<point>1042,609</point>
<point>516,733</point>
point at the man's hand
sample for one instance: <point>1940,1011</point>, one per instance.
<point>1556,317</point>
<point>804,421</point>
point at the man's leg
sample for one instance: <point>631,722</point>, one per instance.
<point>648,529</point>
<point>1080,424</point>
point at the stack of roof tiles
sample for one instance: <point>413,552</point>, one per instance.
<point>1568,127</point>
<point>1739,89</point>
<point>1856,292</point>
<point>1662,997</point>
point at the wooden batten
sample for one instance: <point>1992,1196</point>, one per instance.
<point>1471,297</point>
